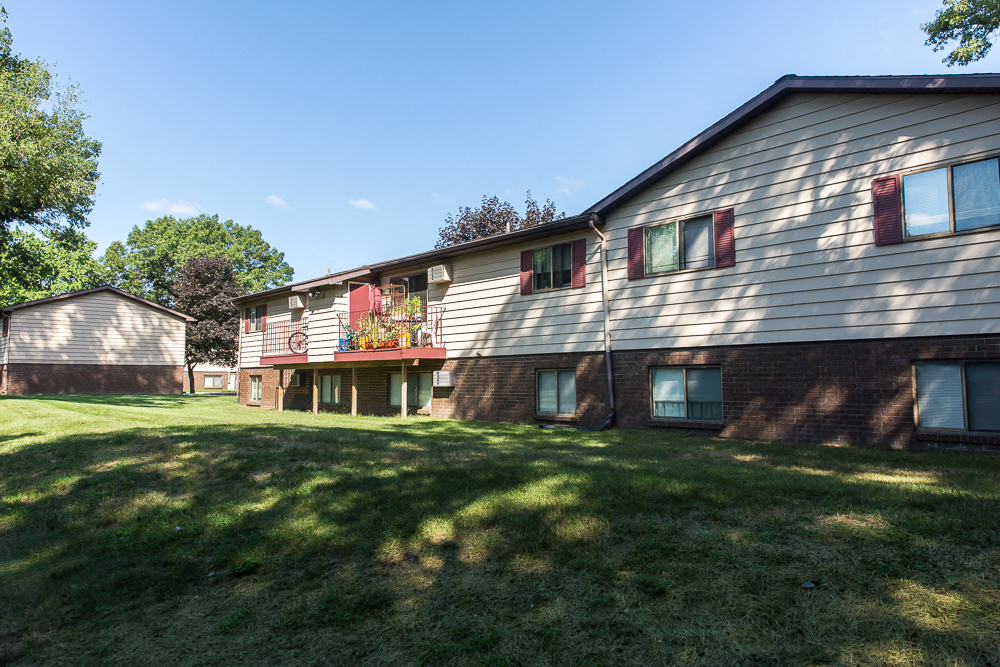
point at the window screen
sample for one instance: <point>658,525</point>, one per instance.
<point>977,194</point>
<point>704,393</point>
<point>699,246</point>
<point>557,392</point>
<point>925,202</point>
<point>543,268</point>
<point>939,396</point>
<point>982,388</point>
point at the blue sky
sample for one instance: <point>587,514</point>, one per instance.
<point>346,132</point>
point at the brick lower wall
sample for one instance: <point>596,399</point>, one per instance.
<point>199,381</point>
<point>93,379</point>
<point>853,391</point>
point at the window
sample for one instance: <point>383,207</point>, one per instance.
<point>295,380</point>
<point>329,389</point>
<point>687,393</point>
<point>685,244</point>
<point>415,285</point>
<point>952,199</point>
<point>556,392</point>
<point>961,395</point>
<point>213,382</point>
<point>255,387</point>
<point>418,389</point>
<point>553,267</point>
<point>256,318</point>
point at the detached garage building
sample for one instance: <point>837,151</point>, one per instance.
<point>96,341</point>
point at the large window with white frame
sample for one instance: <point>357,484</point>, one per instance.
<point>256,387</point>
<point>954,198</point>
<point>256,318</point>
<point>687,392</point>
<point>213,382</point>
<point>418,390</point>
<point>556,392</point>
<point>329,389</point>
<point>958,395</point>
<point>682,244</point>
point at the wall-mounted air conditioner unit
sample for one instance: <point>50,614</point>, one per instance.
<point>439,274</point>
<point>296,301</point>
<point>443,379</point>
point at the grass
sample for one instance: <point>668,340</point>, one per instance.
<point>192,531</point>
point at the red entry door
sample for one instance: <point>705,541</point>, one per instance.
<point>358,302</point>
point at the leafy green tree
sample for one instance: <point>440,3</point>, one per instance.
<point>493,217</point>
<point>48,166</point>
<point>204,288</point>
<point>973,23</point>
<point>146,263</point>
<point>53,262</point>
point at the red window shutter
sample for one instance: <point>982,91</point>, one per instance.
<point>527,271</point>
<point>263,318</point>
<point>725,238</point>
<point>888,210</point>
<point>246,320</point>
<point>636,259</point>
<point>580,263</point>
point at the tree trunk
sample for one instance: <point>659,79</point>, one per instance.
<point>191,376</point>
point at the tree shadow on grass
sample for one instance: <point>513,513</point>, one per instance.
<point>498,542</point>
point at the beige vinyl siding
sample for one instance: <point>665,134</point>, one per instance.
<point>485,312</point>
<point>96,328</point>
<point>799,179</point>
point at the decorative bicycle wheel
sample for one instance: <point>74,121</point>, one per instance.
<point>298,342</point>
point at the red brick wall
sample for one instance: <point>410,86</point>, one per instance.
<point>503,388</point>
<point>268,391</point>
<point>93,379</point>
<point>853,391</point>
<point>199,380</point>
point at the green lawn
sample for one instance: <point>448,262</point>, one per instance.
<point>191,531</point>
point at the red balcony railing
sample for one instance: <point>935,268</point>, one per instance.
<point>392,324</point>
<point>286,338</point>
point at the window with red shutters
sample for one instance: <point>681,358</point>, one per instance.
<point>526,272</point>
<point>636,258</point>
<point>725,238</point>
<point>887,211</point>
<point>580,263</point>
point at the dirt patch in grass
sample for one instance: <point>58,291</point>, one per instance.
<point>212,534</point>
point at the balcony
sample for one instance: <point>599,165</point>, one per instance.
<point>285,342</point>
<point>393,329</point>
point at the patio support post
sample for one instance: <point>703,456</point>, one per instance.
<point>315,388</point>
<point>281,390</point>
<point>402,392</point>
<point>354,388</point>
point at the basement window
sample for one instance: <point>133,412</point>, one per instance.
<point>329,389</point>
<point>256,386</point>
<point>687,393</point>
<point>556,392</point>
<point>213,382</point>
<point>418,389</point>
<point>958,396</point>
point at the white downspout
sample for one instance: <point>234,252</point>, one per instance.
<point>607,313</point>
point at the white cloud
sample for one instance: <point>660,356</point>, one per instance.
<point>275,200</point>
<point>568,185</point>
<point>180,207</point>
<point>362,204</point>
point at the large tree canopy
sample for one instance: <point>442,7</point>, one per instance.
<point>972,23</point>
<point>48,166</point>
<point>493,217</point>
<point>145,264</point>
<point>204,289</point>
<point>53,262</point>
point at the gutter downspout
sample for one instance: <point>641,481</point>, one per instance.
<point>607,320</point>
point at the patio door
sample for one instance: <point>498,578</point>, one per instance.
<point>358,302</point>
